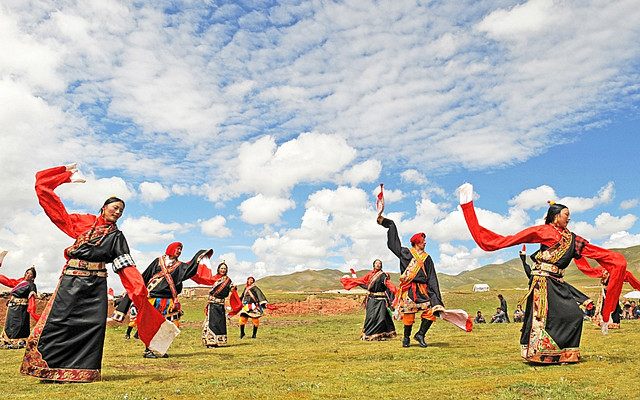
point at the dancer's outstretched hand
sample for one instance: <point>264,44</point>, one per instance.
<point>465,191</point>
<point>4,253</point>
<point>76,177</point>
<point>379,219</point>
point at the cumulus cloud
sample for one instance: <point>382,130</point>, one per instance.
<point>215,227</point>
<point>604,225</point>
<point>149,230</point>
<point>366,171</point>
<point>621,240</point>
<point>413,176</point>
<point>537,198</point>
<point>153,191</point>
<point>627,204</point>
<point>262,209</point>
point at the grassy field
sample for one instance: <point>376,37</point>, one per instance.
<point>316,357</point>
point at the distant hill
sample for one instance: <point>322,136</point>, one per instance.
<point>508,275</point>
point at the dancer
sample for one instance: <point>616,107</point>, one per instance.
<point>553,320</point>
<point>604,277</point>
<point>419,291</point>
<point>214,329</point>
<point>67,342</point>
<point>20,308</point>
<point>163,278</point>
<point>254,303</point>
<point>378,324</point>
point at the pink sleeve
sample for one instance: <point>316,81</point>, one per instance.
<point>490,241</point>
<point>616,264</point>
<point>46,181</point>
<point>8,282</point>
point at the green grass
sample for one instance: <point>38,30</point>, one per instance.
<point>317,357</point>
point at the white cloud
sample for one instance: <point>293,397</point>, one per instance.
<point>413,176</point>
<point>149,230</point>
<point>367,171</point>
<point>621,240</point>
<point>215,227</point>
<point>627,204</point>
<point>605,225</point>
<point>262,209</point>
<point>537,198</point>
<point>153,191</point>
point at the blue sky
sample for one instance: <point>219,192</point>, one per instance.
<point>263,129</point>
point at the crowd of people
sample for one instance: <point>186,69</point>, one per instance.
<point>66,344</point>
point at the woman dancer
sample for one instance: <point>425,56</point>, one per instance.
<point>553,320</point>
<point>254,303</point>
<point>20,308</point>
<point>67,342</point>
<point>214,329</point>
<point>378,324</point>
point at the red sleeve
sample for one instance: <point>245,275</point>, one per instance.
<point>616,264</point>
<point>31,308</point>
<point>631,280</point>
<point>235,303</point>
<point>350,283</point>
<point>8,282</point>
<point>490,241</point>
<point>204,276</point>
<point>71,224</point>
<point>391,286</point>
<point>588,270</point>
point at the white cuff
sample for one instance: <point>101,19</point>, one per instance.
<point>465,191</point>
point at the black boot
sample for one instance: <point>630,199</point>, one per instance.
<point>407,335</point>
<point>424,327</point>
<point>242,331</point>
<point>255,332</point>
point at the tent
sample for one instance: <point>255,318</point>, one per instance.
<point>480,287</point>
<point>632,295</point>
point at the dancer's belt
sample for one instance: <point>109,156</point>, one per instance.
<point>377,294</point>
<point>546,267</point>
<point>85,268</point>
<point>17,301</point>
<point>213,299</point>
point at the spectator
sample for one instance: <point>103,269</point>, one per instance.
<point>636,310</point>
<point>479,319</point>
<point>499,317</point>
<point>503,307</point>
<point>518,315</point>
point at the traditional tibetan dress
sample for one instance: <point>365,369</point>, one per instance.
<point>419,290</point>
<point>164,278</point>
<point>68,340</point>
<point>553,320</point>
<point>253,302</point>
<point>378,324</point>
<point>214,327</point>
<point>20,307</point>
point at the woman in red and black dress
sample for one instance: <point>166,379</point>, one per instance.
<point>553,320</point>
<point>378,324</point>
<point>68,340</point>
<point>214,329</point>
<point>20,308</point>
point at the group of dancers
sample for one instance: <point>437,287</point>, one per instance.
<point>67,342</point>
<point>553,319</point>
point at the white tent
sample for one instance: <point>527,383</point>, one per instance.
<point>480,287</point>
<point>632,295</point>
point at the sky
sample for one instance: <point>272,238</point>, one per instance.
<point>262,129</point>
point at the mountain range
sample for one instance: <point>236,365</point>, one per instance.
<point>508,275</point>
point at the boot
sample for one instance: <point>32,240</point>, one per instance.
<point>424,327</point>
<point>407,335</point>
<point>242,331</point>
<point>255,332</point>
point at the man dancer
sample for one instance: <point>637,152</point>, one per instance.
<point>419,290</point>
